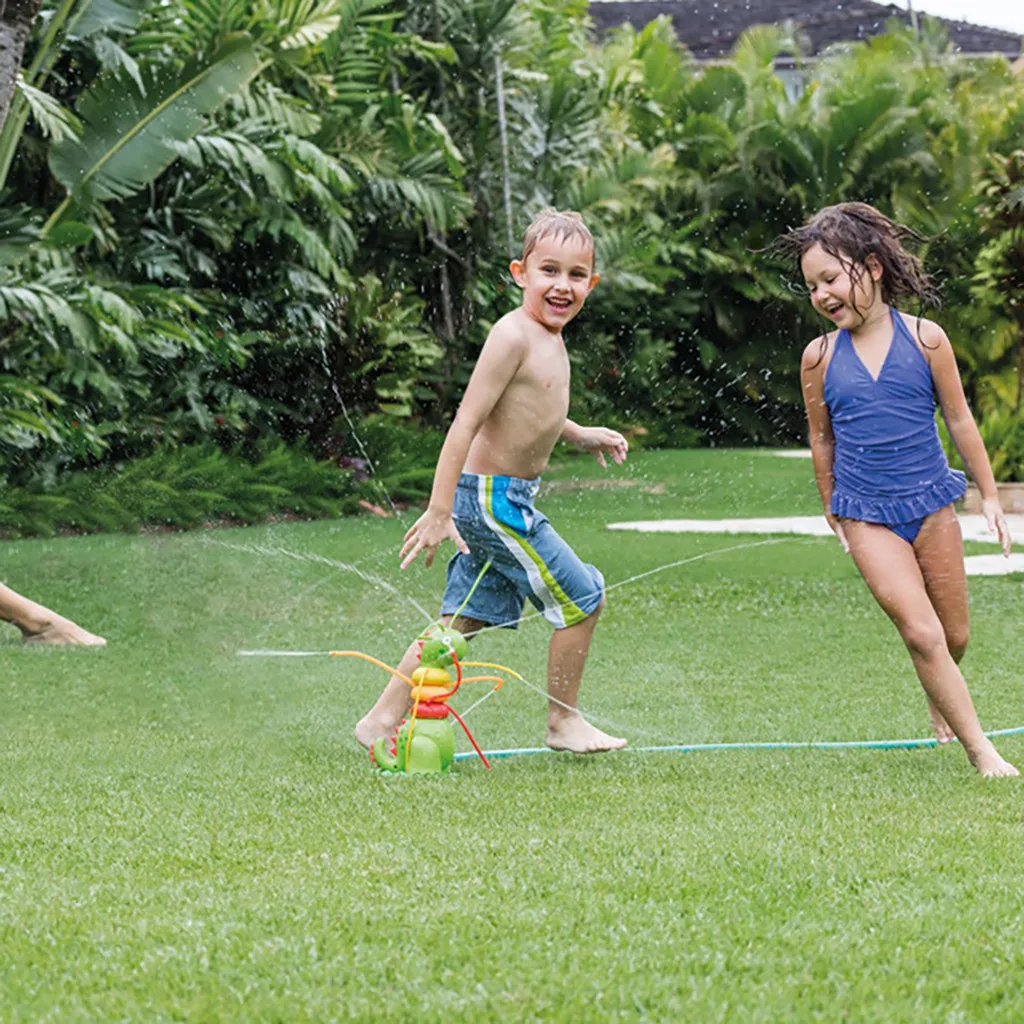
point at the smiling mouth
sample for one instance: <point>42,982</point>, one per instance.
<point>559,304</point>
<point>833,310</point>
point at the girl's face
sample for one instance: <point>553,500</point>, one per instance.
<point>847,301</point>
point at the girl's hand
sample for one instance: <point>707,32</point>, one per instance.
<point>599,440</point>
<point>837,529</point>
<point>997,524</point>
<point>427,534</point>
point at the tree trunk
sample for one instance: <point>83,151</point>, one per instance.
<point>506,187</point>
<point>16,18</point>
<point>1020,371</point>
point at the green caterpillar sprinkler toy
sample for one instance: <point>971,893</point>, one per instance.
<point>424,744</point>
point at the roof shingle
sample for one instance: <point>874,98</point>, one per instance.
<point>710,28</point>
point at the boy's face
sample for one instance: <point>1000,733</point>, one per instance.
<point>834,293</point>
<point>556,279</point>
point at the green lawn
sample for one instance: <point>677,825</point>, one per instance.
<point>187,834</point>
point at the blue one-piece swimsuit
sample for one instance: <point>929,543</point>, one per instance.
<point>889,464</point>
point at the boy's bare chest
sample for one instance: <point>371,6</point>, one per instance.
<point>546,374</point>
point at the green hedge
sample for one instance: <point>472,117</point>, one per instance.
<point>182,489</point>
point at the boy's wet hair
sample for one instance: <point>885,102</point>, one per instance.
<point>565,225</point>
<point>850,233</point>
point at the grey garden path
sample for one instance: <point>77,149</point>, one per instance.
<point>974,528</point>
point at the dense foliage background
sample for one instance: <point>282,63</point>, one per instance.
<point>234,232</point>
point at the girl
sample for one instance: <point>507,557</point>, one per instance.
<point>870,389</point>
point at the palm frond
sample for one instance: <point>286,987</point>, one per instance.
<point>263,101</point>
<point>18,231</point>
<point>240,157</point>
<point>129,137</point>
<point>115,58</point>
<point>309,23</point>
<point>55,120</point>
<point>108,16</point>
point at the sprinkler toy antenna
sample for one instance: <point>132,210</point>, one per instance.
<point>424,743</point>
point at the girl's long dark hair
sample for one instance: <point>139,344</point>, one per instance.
<point>850,233</point>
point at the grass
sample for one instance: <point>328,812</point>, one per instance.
<point>186,834</point>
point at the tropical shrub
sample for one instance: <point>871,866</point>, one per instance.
<point>181,488</point>
<point>236,224</point>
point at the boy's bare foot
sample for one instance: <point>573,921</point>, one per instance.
<point>943,733</point>
<point>60,631</point>
<point>991,765</point>
<point>372,727</point>
<point>573,732</point>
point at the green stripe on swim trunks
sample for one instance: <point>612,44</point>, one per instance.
<point>571,612</point>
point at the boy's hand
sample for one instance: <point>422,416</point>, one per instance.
<point>997,524</point>
<point>598,440</point>
<point>427,534</point>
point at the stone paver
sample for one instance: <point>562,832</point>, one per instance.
<point>974,528</point>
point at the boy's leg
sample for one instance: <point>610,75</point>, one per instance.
<point>939,549</point>
<point>394,703</point>
<point>39,625</point>
<point>567,728</point>
<point>890,568</point>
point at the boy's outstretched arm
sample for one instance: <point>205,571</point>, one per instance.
<point>597,440</point>
<point>500,358</point>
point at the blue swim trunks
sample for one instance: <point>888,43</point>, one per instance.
<point>496,517</point>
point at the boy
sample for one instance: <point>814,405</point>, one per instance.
<point>513,412</point>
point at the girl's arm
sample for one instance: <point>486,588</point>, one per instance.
<point>964,431</point>
<point>823,441</point>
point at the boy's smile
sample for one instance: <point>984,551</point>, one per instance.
<point>556,279</point>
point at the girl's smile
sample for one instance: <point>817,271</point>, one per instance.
<point>847,300</point>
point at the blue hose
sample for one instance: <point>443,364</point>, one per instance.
<point>694,748</point>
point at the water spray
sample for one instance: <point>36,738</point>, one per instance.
<point>402,753</point>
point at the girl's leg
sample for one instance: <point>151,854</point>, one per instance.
<point>394,703</point>
<point>939,549</point>
<point>890,569</point>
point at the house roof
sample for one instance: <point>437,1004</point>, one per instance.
<point>709,28</point>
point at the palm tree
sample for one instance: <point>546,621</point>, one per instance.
<point>16,20</point>
<point>1000,264</point>
<point>107,330</point>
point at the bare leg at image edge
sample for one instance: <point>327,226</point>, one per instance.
<point>39,625</point>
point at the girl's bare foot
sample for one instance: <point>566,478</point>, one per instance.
<point>573,732</point>
<point>60,631</point>
<point>943,733</point>
<point>990,764</point>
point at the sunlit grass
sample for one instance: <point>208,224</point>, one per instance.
<point>185,833</point>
